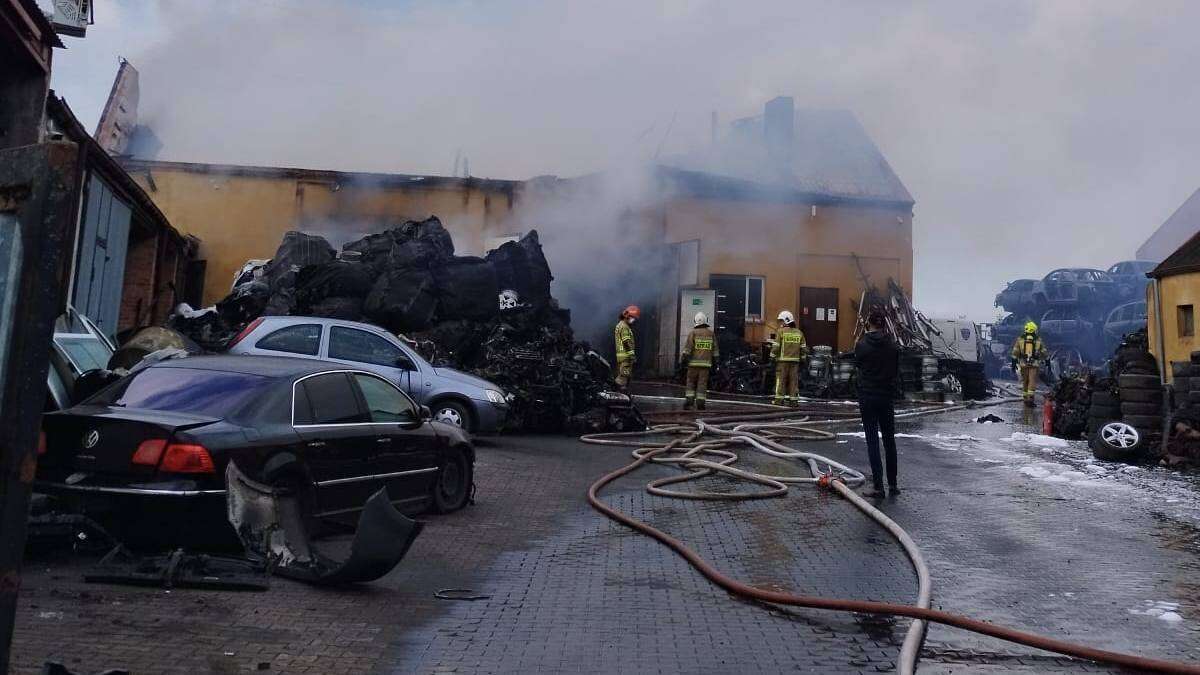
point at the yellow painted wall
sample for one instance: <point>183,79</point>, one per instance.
<point>1180,289</point>
<point>790,248</point>
<point>240,217</point>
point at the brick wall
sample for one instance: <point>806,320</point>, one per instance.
<point>138,291</point>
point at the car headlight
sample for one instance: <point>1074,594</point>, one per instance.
<point>494,396</point>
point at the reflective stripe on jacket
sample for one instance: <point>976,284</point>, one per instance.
<point>1029,350</point>
<point>623,335</point>
<point>789,346</point>
<point>701,347</point>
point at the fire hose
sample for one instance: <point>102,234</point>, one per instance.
<point>689,450</point>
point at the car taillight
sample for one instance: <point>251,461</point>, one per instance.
<point>186,458</point>
<point>41,448</point>
<point>149,452</point>
<point>244,332</point>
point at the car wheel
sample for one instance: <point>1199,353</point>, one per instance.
<point>452,413</point>
<point>1117,441</point>
<point>454,482</point>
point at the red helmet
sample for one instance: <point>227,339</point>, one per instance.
<point>633,311</point>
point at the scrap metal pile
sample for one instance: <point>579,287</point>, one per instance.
<point>1082,313</point>
<point>493,316</point>
<point>929,362</point>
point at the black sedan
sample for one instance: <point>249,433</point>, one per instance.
<point>334,435</point>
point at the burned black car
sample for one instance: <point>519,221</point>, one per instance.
<point>160,440</point>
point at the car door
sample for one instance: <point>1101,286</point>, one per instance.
<point>408,446</point>
<point>338,441</point>
<point>302,339</point>
<point>372,352</point>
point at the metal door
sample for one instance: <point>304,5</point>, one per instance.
<point>100,268</point>
<point>692,300</point>
<point>818,316</point>
<point>730,304</point>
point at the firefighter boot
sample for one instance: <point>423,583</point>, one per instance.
<point>700,404</point>
<point>687,403</point>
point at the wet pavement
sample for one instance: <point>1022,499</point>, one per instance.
<point>1017,529</point>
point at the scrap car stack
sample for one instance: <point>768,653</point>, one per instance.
<point>493,317</point>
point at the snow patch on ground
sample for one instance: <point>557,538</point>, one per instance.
<point>863,434</point>
<point>1164,611</point>
<point>1037,439</point>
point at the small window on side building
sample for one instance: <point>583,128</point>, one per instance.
<point>1186,320</point>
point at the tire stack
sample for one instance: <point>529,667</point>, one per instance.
<point>1141,406</point>
<point>1105,407</point>
<point>1186,380</point>
<point>910,373</point>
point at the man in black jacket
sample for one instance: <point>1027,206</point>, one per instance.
<point>878,362</point>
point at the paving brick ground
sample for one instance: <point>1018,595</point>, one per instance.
<point>1039,538</point>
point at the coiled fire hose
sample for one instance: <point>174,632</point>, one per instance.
<point>687,451</point>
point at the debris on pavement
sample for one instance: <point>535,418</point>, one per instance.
<point>179,569</point>
<point>274,527</point>
<point>989,419</point>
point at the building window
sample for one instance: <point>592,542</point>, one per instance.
<point>1186,321</point>
<point>754,298</point>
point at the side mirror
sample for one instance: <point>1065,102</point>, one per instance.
<point>426,413</point>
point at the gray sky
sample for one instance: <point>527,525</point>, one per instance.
<point>1032,135</point>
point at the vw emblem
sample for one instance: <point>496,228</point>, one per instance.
<point>91,439</point>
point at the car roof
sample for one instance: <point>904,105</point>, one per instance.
<point>269,366</point>
<point>294,320</point>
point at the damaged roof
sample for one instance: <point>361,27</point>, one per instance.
<point>1185,259</point>
<point>1174,232</point>
<point>831,156</point>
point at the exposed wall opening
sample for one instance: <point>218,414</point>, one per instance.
<point>1185,320</point>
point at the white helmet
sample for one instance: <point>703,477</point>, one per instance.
<point>700,319</point>
<point>786,317</point>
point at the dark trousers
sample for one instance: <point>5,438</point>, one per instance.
<point>878,414</point>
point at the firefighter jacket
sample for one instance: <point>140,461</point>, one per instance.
<point>623,335</point>
<point>701,347</point>
<point>1029,350</point>
<point>789,346</point>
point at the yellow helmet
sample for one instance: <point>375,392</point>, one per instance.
<point>1030,327</point>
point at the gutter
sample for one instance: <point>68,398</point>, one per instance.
<point>1158,325</point>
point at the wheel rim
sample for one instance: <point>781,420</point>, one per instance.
<point>449,416</point>
<point>1119,435</point>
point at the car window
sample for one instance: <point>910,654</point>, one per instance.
<point>327,399</point>
<point>352,344</point>
<point>213,393</point>
<point>385,403</point>
<point>300,339</point>
<point>83,351</point>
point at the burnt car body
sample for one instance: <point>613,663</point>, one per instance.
<point>161,439</point>
<point>1068,328</point>
<point>1018,295</point>
<point>1130,277</point>
<point>1076,286</point>
<point>1122,321</point>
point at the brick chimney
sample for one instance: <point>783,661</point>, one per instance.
<point>779,128</point>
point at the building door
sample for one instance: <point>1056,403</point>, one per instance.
<point>692,300</point>
<point>731,304</point>
<point>819,316</point>
<point>100,268</point>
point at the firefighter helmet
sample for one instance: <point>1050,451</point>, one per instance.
<point>701,319</point>
<point>1030,327</point>
<point>786,317</point>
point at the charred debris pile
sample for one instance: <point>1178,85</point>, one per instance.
<point>493,317</point>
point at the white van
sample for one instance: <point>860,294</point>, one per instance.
<point>959,339</point>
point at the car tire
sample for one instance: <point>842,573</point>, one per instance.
<point>1137,381</point>
<point>1104,411</point>
<point>454,414</point>
<point>1144,423</point>
<point>1116,441</point>
<point>1136,408</point>
<point>455,481</point>
<point>1141,396</point>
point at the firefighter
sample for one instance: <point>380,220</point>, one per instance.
<point>1028,352</point>
<point>623,335</point>
<point>789,349</point>
<point>699,352</point>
